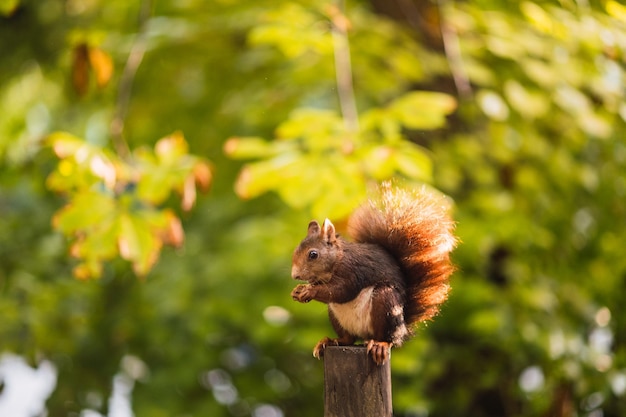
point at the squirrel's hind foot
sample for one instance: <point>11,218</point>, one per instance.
<point>380,351</point>
<point>318,350</point>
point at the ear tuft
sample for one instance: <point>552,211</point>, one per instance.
<point>328,232</point>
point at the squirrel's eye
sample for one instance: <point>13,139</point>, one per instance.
<point>313,254</point>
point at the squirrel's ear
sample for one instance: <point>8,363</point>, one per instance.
<point>314,228</point>
<point>328,232</point>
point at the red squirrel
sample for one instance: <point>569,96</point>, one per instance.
<point>393,276</point>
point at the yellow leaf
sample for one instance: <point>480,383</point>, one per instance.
<point>616,10</point>
<point>86,211</point>
<point>174,235</point>
<point>102,66</point>
<point>189,193</point>
<point>103,168</point>
<point>260,177</point>
<point>202,175</point>
<point>171,147</point>
<point>137,243</point>
<point>423,109</point>
<point>64,144</point>
<point>378,162</point>
<point>84,271</point>
<point>537,16</point>
<point>248,147</point>
<point>8,7</point>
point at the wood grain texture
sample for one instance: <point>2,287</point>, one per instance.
<point>354,386</point>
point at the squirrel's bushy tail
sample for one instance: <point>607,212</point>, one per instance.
<point>416,228</point>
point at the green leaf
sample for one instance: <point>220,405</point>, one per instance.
<point>529,104</point>
<point>249,147</point>
<point>259,177</point>
<point>137,243</point>
<point>423,110</point>
<point>284,24</point>
<point>86,211</point>
<point>616,10</point>
<point>99,243</point>
<point>413,162</point>
<point>318,129</point>
<point>88,269</point>
<point>378,161</point>
<point>81,163</point>
<point>339,198</point>
<point>7,7</point>
<point>304,180</point>
<point>65,144</point>
<point>171,149</point>
<point>155,184</point>
<point>384,121</point>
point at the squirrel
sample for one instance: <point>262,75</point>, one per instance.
<point>394,275</point>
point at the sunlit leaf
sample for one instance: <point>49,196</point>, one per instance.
<point>102,66</point>
<point>88,210</point>
<point>98,242</point>
<point>174,233</point>
<point>493,105</point>
<point>378,162</point>
<point>171,148</point>
<point>189,193</point>
<point>156,184</point>
<point>317,129</point>
<point>304,180</point>
<point>414,163</point>
<point>339,199</point>
<point>112,209</point>
<point>537,16</point>
<point>248,147</point>
<point>87,270</point>
<point>527,103</point>
<point>259,177</point>
<point>282,24</point>
<point>423,110</point>
<point>616,10</point>
<point>137,243</point>
<point>65,144</point>
<point>202,175</point>
<point>8,7</point>
<point>79,161</point>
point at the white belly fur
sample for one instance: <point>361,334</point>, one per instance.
<point>354,316</point>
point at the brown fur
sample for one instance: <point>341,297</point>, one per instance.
<point>416,228</point>
<point>400,257</point>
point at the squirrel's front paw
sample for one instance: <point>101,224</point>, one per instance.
<point>318,350</point>
<point>302,293</point>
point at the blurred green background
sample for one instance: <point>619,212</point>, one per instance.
<point>516,110</point>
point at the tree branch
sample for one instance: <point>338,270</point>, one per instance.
<point>127,78</point>
<point>449,39</point>
<point>343,66</point>
<point>452,49</point>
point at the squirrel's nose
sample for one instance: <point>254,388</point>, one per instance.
<point>295,273</point>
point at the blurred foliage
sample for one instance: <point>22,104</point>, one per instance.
<point>514,109</point>
<point>313,149</point>
<point>114,204</point>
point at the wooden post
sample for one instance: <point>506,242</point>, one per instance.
<point>354,386</point>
